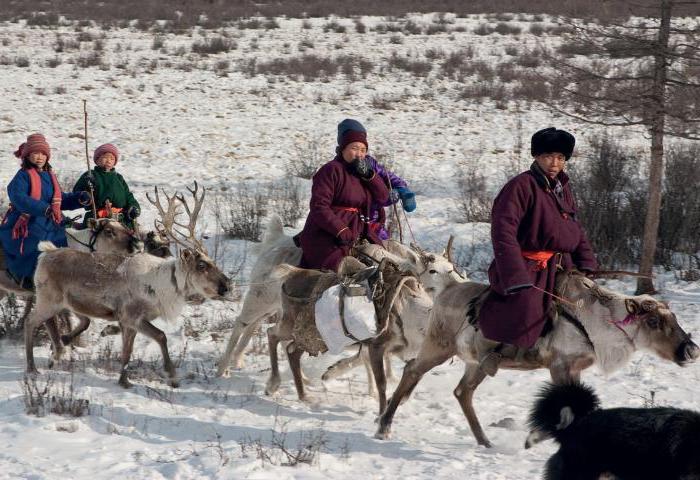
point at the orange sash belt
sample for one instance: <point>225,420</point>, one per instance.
<point>541,257</point>
<point>346,209</point>
<point>104,213</point>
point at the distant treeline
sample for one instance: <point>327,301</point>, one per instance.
<point>214,13</point>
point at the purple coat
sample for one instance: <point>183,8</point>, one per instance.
<point>528,215</point>
<point>377,214</point>
<point>335,192</point>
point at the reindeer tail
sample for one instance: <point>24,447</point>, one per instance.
<point>47,246</point>
<point>557,407</point>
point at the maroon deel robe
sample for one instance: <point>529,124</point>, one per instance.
<point>528,216</point>
<point>333,191</point>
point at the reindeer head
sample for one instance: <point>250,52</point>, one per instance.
<point>649,323</point>
<point>156,244</point>
<point>659,330</point>
<point>203,276</point>
<point>111,236</point>
<point>438,270</point>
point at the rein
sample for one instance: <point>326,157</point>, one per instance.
<point>93,237</point>
<point>628,320</point>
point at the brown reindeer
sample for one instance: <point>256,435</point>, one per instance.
<point>394,296</point>
<point>598,326</point>
<point>133,291</point>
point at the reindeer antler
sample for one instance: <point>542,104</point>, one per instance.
<point>164,224</point>
<point>168,217</point>
<point>448,250</point>
<point>192,215</point>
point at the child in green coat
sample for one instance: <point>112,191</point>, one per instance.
<point>112,194</point>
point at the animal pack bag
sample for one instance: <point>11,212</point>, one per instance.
<point>345,315</point>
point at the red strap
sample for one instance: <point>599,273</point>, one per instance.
<point>541,257</point>
<point>56,200</point>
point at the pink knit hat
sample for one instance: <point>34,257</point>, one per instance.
<point>106,148</point>
<point>36,142</point>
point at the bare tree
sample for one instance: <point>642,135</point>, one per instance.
<point>645,72</point>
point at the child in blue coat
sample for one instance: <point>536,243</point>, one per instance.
<point>35,213</point>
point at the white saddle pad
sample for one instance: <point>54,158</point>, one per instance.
<point>360,319</point>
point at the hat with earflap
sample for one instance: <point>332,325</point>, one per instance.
<point>551,140</point>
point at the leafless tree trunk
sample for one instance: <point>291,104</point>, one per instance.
<point>643,73</point>
<point>656,166</point>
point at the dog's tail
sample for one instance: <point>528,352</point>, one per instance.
<point>556,408</point>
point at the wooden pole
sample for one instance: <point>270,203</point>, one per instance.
<point>87,161</point>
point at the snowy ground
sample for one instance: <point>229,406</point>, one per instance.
<point>175,126</point>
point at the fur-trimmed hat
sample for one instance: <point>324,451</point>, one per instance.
<point>350,131</point>
<point>106,148</point>
<point>551,140</point>
<point>36,142</point>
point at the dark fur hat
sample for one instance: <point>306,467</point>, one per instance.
<point>551,140</point>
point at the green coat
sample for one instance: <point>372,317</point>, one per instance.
<point>108,185</point>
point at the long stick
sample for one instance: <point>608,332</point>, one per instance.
<point>87,161</point>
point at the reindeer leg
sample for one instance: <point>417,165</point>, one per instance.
<point>147,328</point>
<point>128,335</point>
<point>472,378</point>
<point>236,345</point>
<point>430,356</point>
<point>561,373</point>
<point>294,354</point>
<point>242,344</point>
<point>39,316</point>
<point>388,369</point>
<point>84,323</point>
<point>342,366</point>
<point>56,345</point>
<point>273,383</point>
<point>376,360</point>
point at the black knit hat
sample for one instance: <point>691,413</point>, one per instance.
<point>551,140</point>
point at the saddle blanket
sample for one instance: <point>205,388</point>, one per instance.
<point>358,321</point>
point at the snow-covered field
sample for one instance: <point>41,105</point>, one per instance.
<point>174,126</point>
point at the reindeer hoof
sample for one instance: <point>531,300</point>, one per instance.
<point>174,383</point>
<point>380,435</point>
<point>124,382</point>
<point>238,364</point>
<point>272,385</point>
<point>31,372</point>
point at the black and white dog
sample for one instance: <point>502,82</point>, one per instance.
<point>661,443</point>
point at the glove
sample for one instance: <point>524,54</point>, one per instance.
<point>408,198</point>
<point>90,181</point>
<point>345,237</point>
<point>360,167</point>
<point>518,288</point>
<point>84,198</point>
<point>132,213</point>
<point>51,214</point>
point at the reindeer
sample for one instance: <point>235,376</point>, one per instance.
<point>262,303</point>
<point>401,304</point>
<point>594,325</point>
<point>132,291</point>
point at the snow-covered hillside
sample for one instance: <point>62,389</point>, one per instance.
<point>179,117</point>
